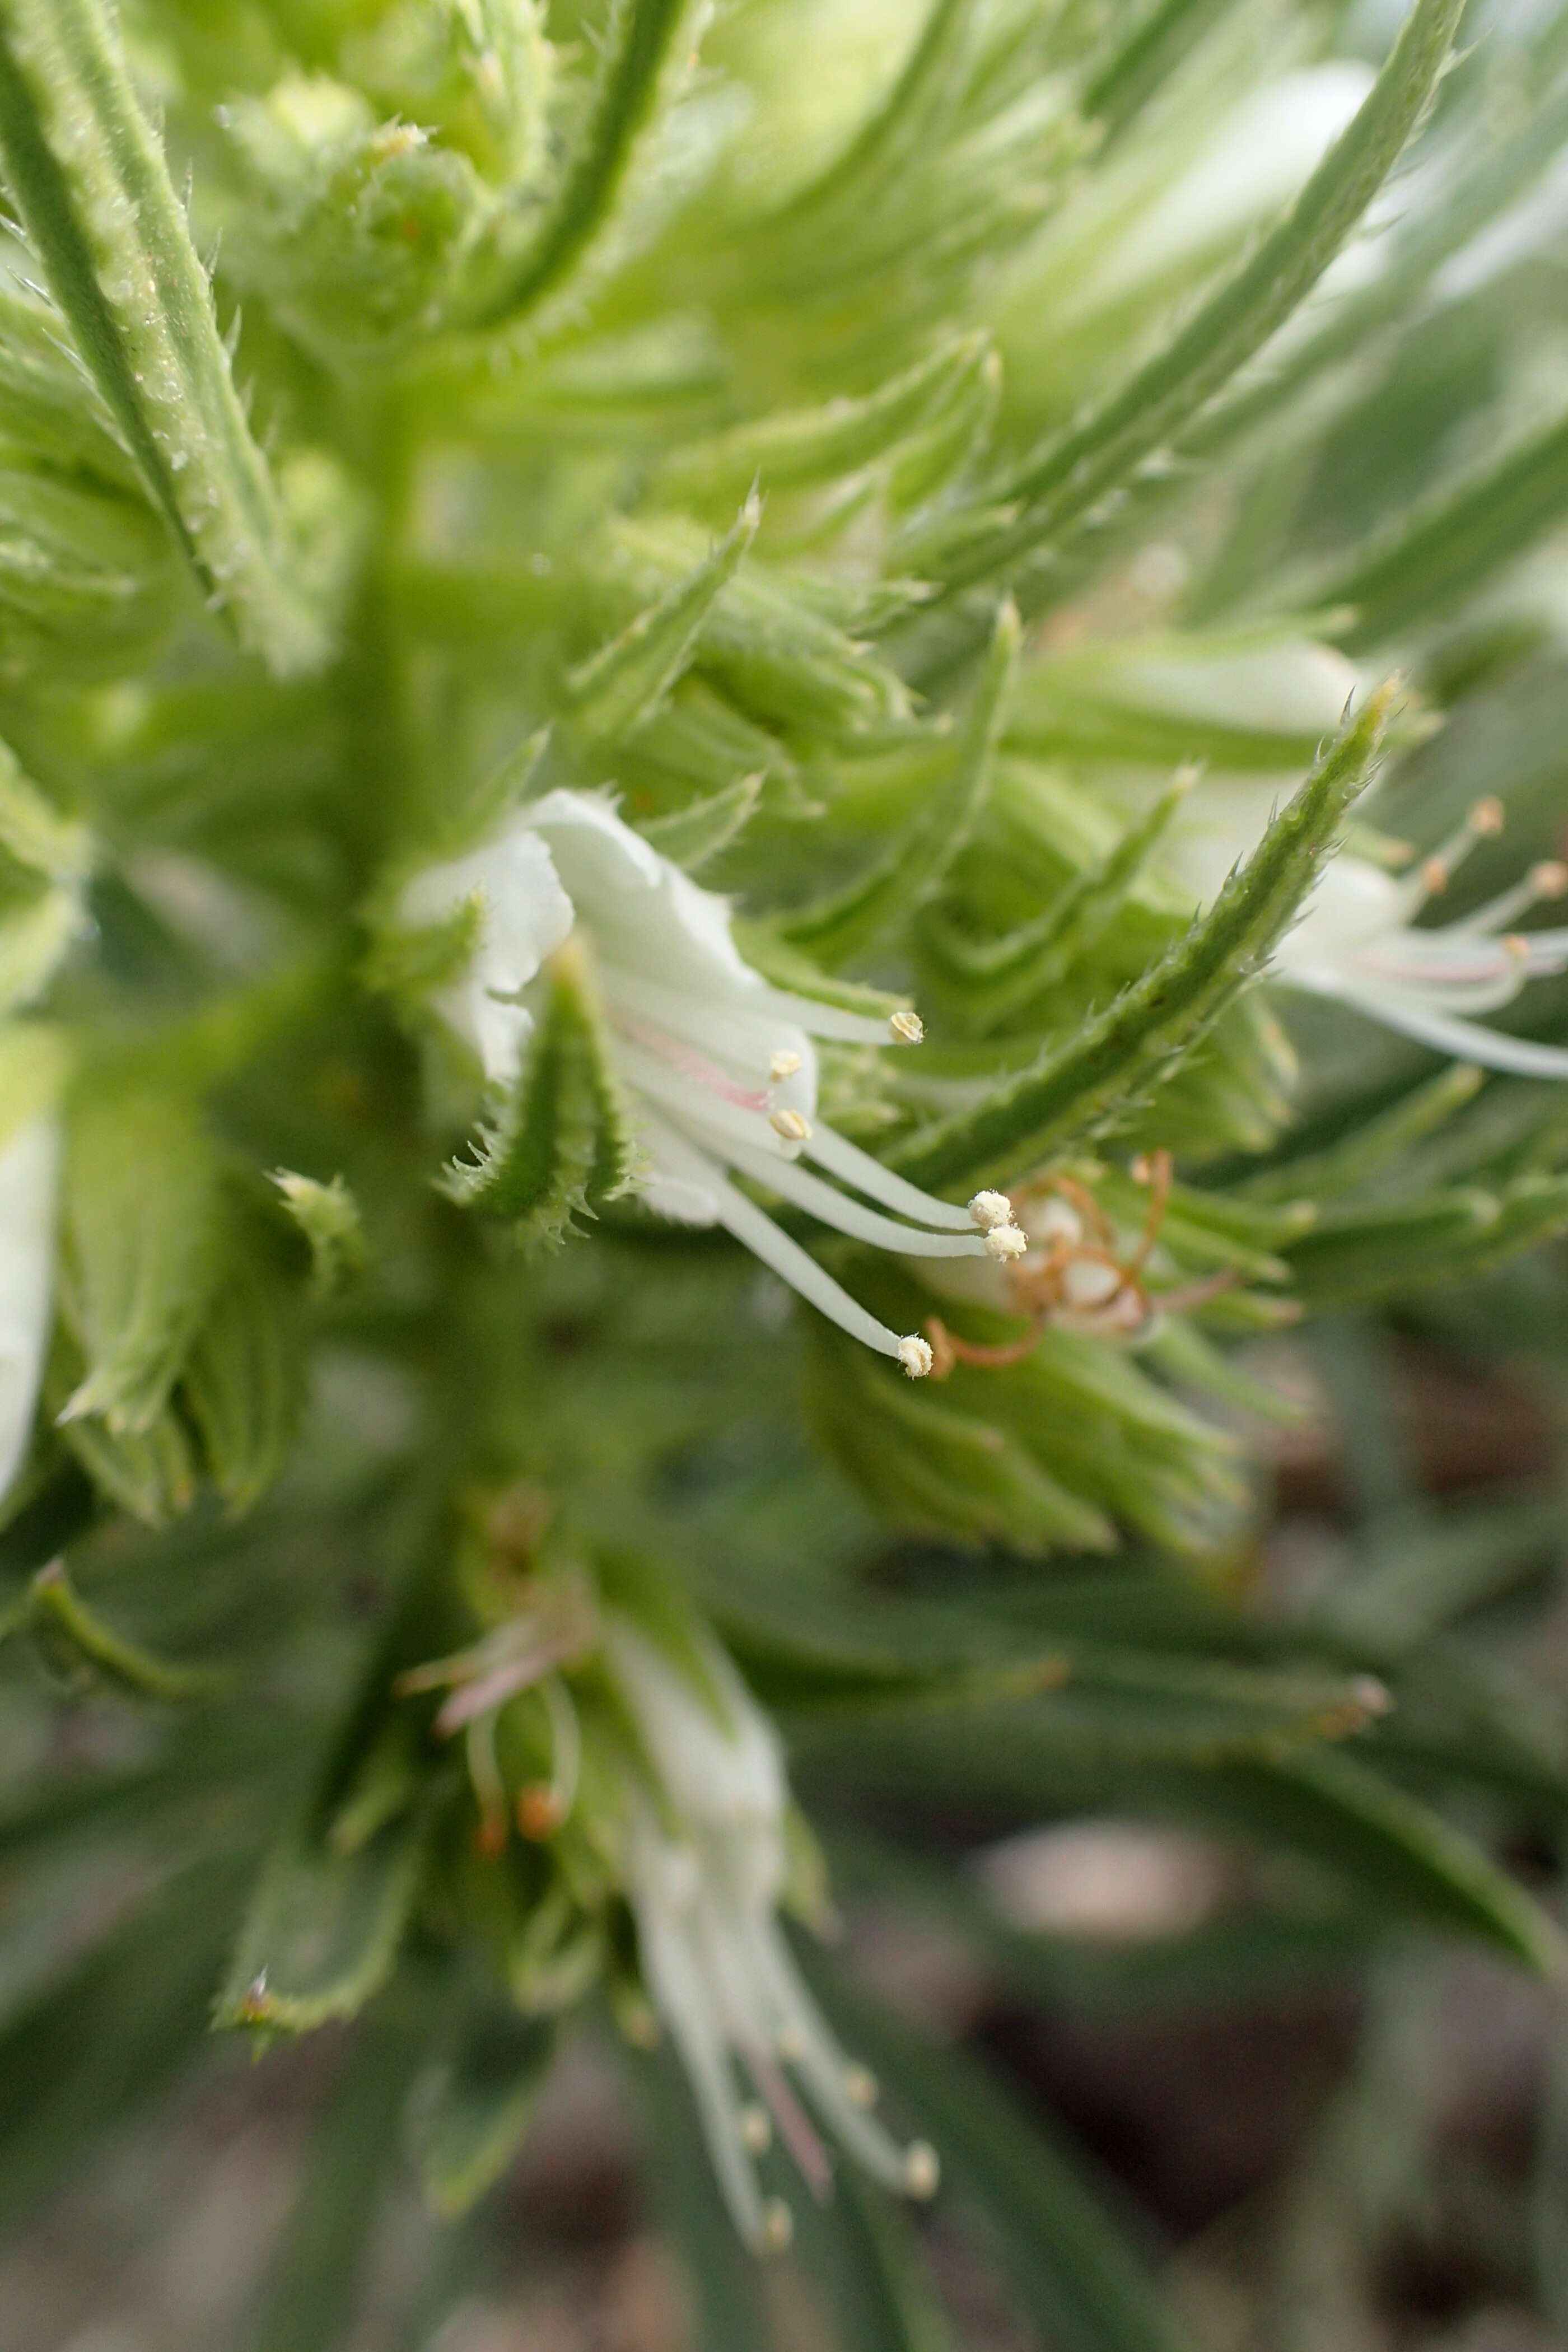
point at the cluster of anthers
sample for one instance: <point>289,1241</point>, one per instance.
<point>1062,1266</point>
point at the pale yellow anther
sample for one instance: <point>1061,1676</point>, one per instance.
<point>916,1357</point>
<point>859,2087</point>
<point>1549,878</point>
<point>793,1125</point>
<point>784,1064</point>
<point>792,2044</point>
<point>756,2131</point>
<point>907,1026</point>
<point>1004,1241</point>
<point>922,2171</point>
<point>990,1210</point>
<point>778,2226</point>
<point>1434,876</point>
<point>1516,945</point>
<point>1487,816</point>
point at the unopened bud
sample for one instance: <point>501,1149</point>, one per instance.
<point>990,1210</point>
<point>907,1026</point>
<point>915,1355</point>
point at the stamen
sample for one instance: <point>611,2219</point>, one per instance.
<point>907,1026</point>
<point>778,2226</point>
<point>916,1357</point>
<point>783,1064</point>
<point>540,1812</point>
<point>793,1125</point>
<point>1006,1242</point>
<point>847,1216</point>
<point>757,2130</point>
<point>861,2085</point>
<point>1487,816</point>
<point>991,1210</point>
<point>923,2169</point>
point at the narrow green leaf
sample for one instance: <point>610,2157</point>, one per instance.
<point>89,179</point>
<point>865,2260</point>
<point>114,2032</point>
<point>1460,542</point>
<point>310,2296</point>
<point>1353,1816</point>
<point>786,449</point>
<point>619,689</point>
<point>690,836</point>
<point>1369,1145</point>
<point>1084,2283</point>
<point>725,2285</point>
<point>471,2106</point>
<point>323,1928</point>
<point>645,47</point>
<point>852,921</point>
<point>1118,1054</point>
<point>1143,58</point>
<point>1062,484</point>
<point>1000,977</point>
<point>563,1146</point>
<point>52,1609</point>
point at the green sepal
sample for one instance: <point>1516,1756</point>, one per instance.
<point>409,964</point>
<point>323,1928</point>
<point>327,1215</point>
<point>880,901</point>
<point>620,688</point>
<point>244,1383</point>
<point>561,1145</point>
<point>470,2108</point>
<point>1079,1088</point>
<point>690,836</point>
<point>142,1260</point>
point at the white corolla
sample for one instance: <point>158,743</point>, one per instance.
<point>30,1176</point>
<point>720,1068</point>
<point>1358,938</point>
<point>705,1867</point>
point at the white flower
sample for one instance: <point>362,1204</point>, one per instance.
<point>30,1171</point>
<point>706,1868</point>
<point>720,1068</point>
<point>1357,939</point>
